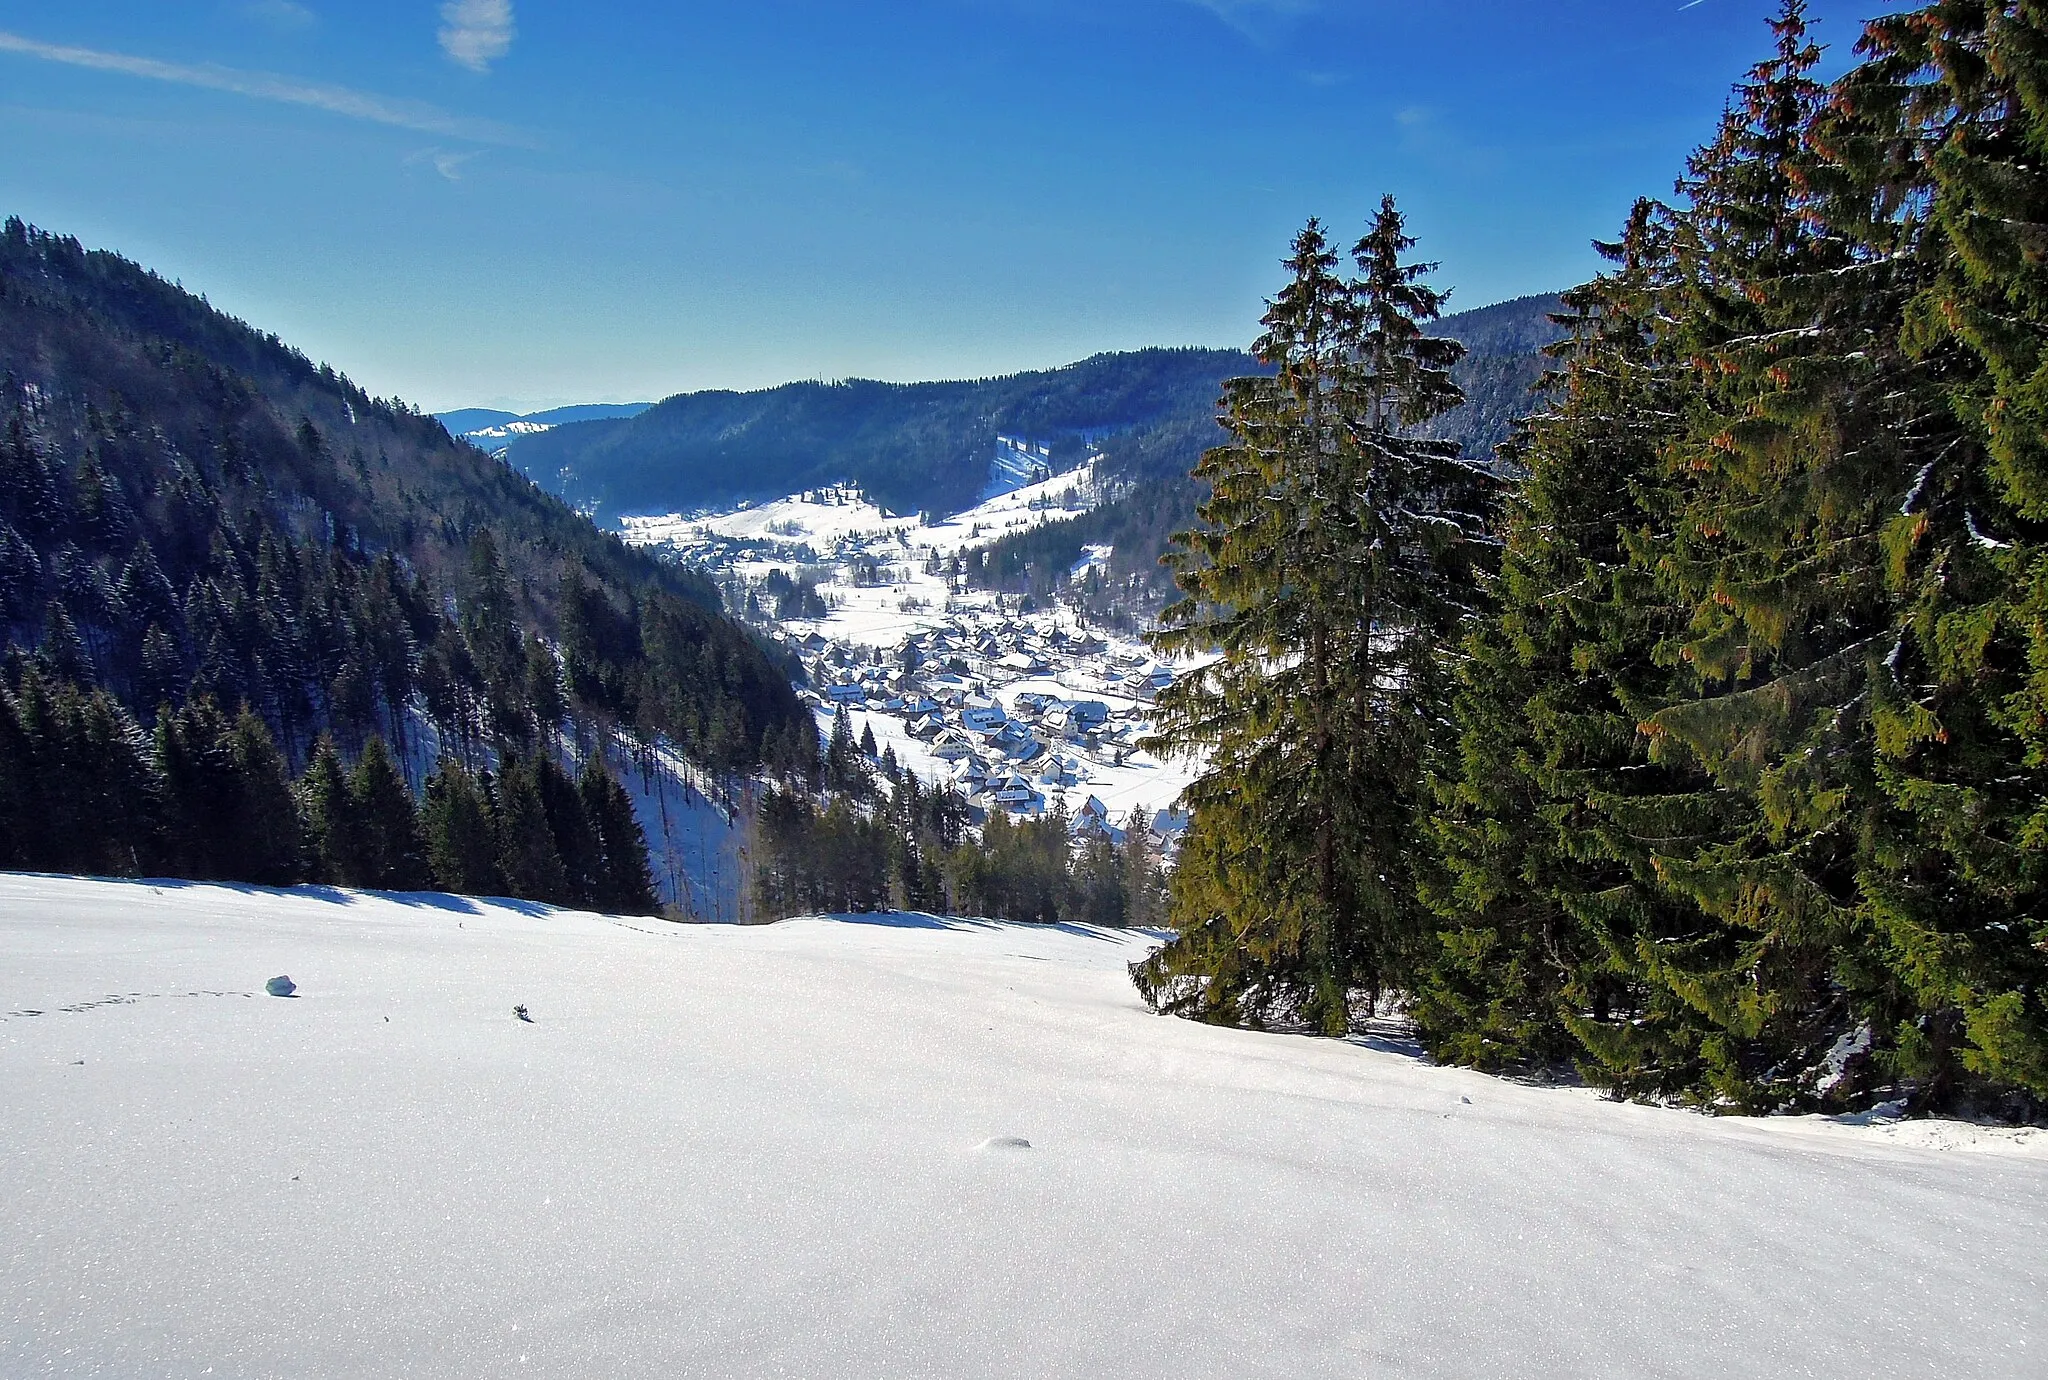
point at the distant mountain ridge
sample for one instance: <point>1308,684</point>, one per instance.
<point>927,446</point>
<point>468,421</point>
<point>911,446</point>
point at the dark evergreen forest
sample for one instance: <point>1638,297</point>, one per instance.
<point>224,570</point>
<point>1706,757</point>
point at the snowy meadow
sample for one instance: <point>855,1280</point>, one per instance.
<point>889,1146</point>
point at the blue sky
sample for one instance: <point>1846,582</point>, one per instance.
<point>511,202</point>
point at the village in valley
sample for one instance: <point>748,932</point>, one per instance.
<point>1019,705</point>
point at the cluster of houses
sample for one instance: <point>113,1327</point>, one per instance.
<point>942,684</point>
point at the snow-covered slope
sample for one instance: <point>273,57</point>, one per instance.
<point>825,518</point>
<point>788,1151</point>
<point>506,431</point>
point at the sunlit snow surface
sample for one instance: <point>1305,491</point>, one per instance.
<point>790,1151</point>
<point>822,517</point>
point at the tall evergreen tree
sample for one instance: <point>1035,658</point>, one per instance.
<point>1554,808</point>
<point>266,832</point>
<point>1943,132</point>
<point>461,843</point>
<point>79,790</point>
<point>622,882</point>
<point>160,679</point>
<point>528,857</point>
<point>393,854</point>
<point>20,808</point>
<point>576,843</point>
<point>336,836</point>
<point>1331,563</point>
<point>229,810</point>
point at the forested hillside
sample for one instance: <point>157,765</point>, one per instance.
<point>217,557</point>
<point>913,447</point>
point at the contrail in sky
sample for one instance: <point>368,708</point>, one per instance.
<point>265,86</point>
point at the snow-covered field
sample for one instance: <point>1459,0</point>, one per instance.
<point>823,518</point>
<point>794,1151</point>
<point>833,523</point>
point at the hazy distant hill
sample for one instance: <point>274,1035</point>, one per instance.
<point>912,446</point>
<point>464,420</point>
<point>927,446</point>
<point>1503,361</point>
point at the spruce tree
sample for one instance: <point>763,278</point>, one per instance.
<point>622,882</point>
<point>1332,561</point>
<point>1551,812</point>
<point>528,858</point>
<point>229,810</point>
<point>576,843</point>
<point>337,840</point>
<point>1943,132</point>
<point>1144,881</point>
<point>843,767</point>
<point>1792,479</point>
<point>544,684</point>
<point>20,807</point>
<point>461,844</point>
<point>63,651</point>
<point>266,831</point>
<point>160,679</point>
<point>199,790</point>
<point>393,854</point>
<point>121,788</point>
<point>79,791</point>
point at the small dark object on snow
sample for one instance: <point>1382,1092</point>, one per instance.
<point>520,1012</point>
<point>280,986</point>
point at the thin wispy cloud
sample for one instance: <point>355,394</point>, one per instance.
<point>476,33</point>
<point>285,16</point>
<point>1252,11</point>
<point>447,164</point>
<point>266,86</point>
<point>1262,21</point>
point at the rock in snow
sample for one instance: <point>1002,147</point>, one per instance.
<point>280,986</point>
<point>740,1153</point>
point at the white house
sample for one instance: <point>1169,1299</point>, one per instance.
<point>983,718</point>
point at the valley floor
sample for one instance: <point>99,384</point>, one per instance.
<point>788,1150</point>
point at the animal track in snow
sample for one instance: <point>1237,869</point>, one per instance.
<point>117,999</point>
